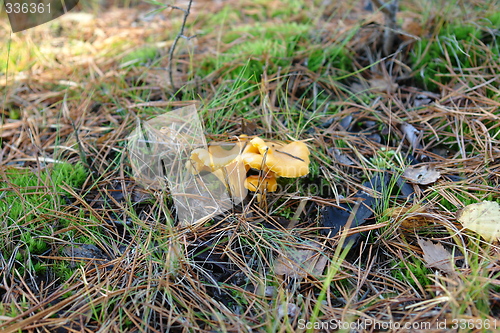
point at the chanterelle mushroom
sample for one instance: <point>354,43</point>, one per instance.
<point>274,159</point>
<point>256,183</point>
<point>252,157</point>
<point>289,161</point>
<point>216,156</point>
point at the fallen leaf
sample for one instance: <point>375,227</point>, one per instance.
<point>412,28</point>
<point>412,217</point>
<point>483,218</point>
<point>382,84</point>
<point>436,256</point>
<point>288,309</point>
<point>423,175</point>
<point>341,157</point>
<point>346,122</point>
<point>359,88</point>
<point>300,262</point>
<point>334,218</point>
<point>411,134</point>
<point>248,127</point>
<point>84,253</point>
<point>424,99</point>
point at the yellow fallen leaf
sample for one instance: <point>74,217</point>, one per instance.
<point>483,218</point>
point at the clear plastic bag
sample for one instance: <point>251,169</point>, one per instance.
<point>160,156</point>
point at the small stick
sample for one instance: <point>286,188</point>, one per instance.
<point>179,35</point>
<point>283,152</point>
<point>390,10</point>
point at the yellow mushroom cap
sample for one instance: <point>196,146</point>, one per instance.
<point>253,160</point>
<point>248,147</point>
<point>259,144</point>
<point>255,182</point>
<point>196,163</point>
<point>222,160</point>
<point>217,156</point>
<point>223,153</point>
<point>289,161</point>
<point>264,146</point>
<point>229,162</point>
<point>233,176</point>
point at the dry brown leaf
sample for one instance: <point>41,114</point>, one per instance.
<point>249,127</point>
<point>483,218</point>
<point>411,134</point>
<point>86,252</point>
<point>411,217</point>
<point>423,175</point>
<point>358,88</point>
<point>382,84</point>
<point>341,157</point>
<point>300,262</point>
<point>436,256</point>
<point>288,310</point>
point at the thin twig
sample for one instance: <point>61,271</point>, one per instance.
<point>293,156</point>
<point>390,10</point>
<point>179,35</point>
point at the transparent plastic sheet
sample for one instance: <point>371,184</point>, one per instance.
<point>160,150</point>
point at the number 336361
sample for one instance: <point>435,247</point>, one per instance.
<point>474,324</point>
<point>32,8</point>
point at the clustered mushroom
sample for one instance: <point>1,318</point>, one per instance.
<point>230,162</point>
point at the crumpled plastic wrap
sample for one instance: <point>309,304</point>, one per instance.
<point>159,150</point>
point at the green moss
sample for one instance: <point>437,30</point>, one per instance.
<point>28,200</point>
<point>63,270</point>
<point>466,198</point>
<point>413,271</point>
<point>335,56</point>
<point>493,20</point>
<point>40,268</point>
<point>269,48</point>
<point>16,56</point>
<point>284,31</point>
<point>68,174</point>
<point>388,159</point>
<point>289,8</point>
<point>263,10</point>
<point>274,43</point>
<point>462,44</point>
<point>270,45</point>
<point>35,245</point>
<point>226,15</point>
<point>140,56</point>
<point>14,113</point>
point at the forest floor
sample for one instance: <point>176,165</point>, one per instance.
<point>400,113</point>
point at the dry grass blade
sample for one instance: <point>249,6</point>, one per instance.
<point>85,248</point>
